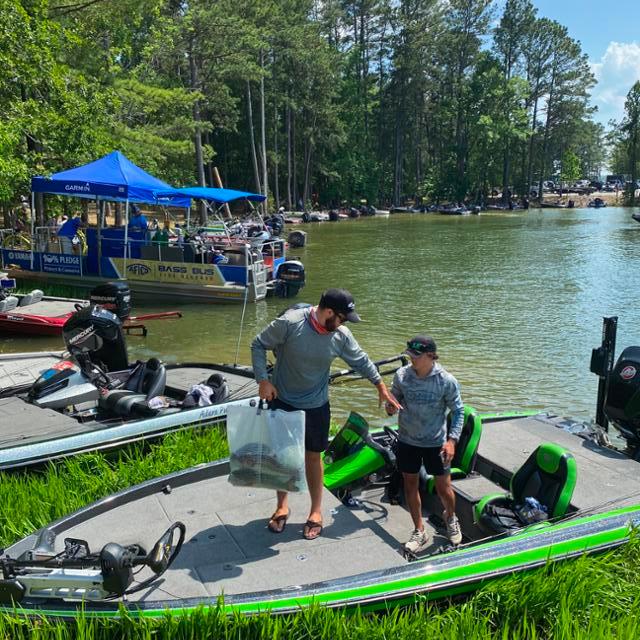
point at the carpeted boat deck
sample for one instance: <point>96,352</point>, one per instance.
<point>183,378</point>
<point>24,368</point>
<point>604,475</point>
<point>228,547</point>
<point>48,308</point>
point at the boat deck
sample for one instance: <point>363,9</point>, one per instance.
<point>604,475</point>
<point>23,424</point>
<point>24,368</point>
<point>183,378</point>
<point>228,548</point>
<point>49,308</point>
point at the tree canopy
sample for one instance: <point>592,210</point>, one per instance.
<point>306,101</point>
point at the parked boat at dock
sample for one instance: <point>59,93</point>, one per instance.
<point>232,267</point>
<point>91,397</point>
<point>34,313</point>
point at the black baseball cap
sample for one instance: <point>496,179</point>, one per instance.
<point>419,345</point>
<point>340,301</point>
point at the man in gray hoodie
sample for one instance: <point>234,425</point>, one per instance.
<point>305,342</point>
<point>426,390</point>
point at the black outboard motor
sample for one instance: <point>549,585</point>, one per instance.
<point>113,296</point>
<point>291,279</point>
<point>622,404</point>
<point>96,333</point>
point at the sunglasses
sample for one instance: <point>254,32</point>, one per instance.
<point>341,317</point>
<point>419,347</point>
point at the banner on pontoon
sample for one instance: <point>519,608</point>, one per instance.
<point>173,272</point>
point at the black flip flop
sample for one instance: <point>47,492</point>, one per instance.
<point>309,527</point>
<point>280,522</point>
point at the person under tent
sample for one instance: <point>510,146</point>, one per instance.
<point>68,232</point>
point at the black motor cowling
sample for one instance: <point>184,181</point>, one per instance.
<point>622,405</point>
<point>113,296</point>
<point>97,333</point>
<point>291,279</point>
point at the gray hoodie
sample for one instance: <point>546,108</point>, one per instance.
<point>304,357</point>
<point>422,422</point>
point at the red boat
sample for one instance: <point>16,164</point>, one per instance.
<point>36,314</point>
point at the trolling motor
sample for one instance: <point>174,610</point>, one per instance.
<point>78,574</point>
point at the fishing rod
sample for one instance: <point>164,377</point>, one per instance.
<point>378,363</point>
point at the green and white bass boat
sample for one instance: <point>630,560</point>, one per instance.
<point>191,540</point>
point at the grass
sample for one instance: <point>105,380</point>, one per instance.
<point>595,597</point>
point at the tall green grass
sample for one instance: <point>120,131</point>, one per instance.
<point>595,597</point>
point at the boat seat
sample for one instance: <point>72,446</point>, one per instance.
<point>548,475</point>
<point>219,391</point>
<point>464,459</point>
<point>8,304</point>
<point>31,298</point>
<point>147,380</point>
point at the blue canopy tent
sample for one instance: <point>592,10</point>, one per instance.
<point>219,196</point>
<point>113,177</point>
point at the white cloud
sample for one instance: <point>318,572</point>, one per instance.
<point>617,71</point>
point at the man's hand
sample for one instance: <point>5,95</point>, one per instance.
<point>267,391</point>
<point>448,450</point>
<point>391,404</point>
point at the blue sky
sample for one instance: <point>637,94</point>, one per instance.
<point>610,35</point>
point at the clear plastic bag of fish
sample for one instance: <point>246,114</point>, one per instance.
<point>266,448</point>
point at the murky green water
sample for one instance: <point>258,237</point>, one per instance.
<point>515,302</point>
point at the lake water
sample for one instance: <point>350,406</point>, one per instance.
<point>514,300</point>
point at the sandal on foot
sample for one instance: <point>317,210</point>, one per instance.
<point>311,530</point>
<point>277,524</point>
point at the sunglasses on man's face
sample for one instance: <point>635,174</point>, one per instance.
<point>341,317</point>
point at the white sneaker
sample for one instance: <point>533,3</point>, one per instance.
<point>418,541</point>
<point>454,532</point>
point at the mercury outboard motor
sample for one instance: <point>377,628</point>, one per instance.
<point>113,296</point>
<point>291,279</point>
<point>622,404</point>
<point>96,333</point>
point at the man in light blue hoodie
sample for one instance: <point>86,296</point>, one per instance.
<point>426,390</point>
<point>305,342</point>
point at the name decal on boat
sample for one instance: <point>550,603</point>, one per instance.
<point>212,412</point>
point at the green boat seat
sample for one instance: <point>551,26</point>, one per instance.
<point>548,475</point>
<point>353,456</point>
<point>464,459</point>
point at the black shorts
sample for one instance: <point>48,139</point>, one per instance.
<point>410,459</point>
<point>316,424</point>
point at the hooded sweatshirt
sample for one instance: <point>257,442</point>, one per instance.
<point>423,420</point>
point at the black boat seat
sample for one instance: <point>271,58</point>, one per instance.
<point>464,459</point>
<point>8,304</point>
<point>548,475</point>
<point>219,388</point>
<point>31,298</point>
<point>147,380</point>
